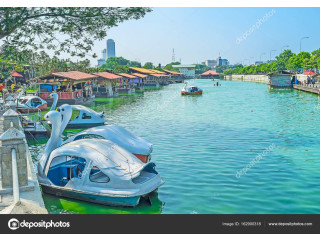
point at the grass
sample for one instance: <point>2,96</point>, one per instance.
<point>32,90</point>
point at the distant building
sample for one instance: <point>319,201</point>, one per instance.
<point>187,70</point>
<point>222,62</point>
<point>211,63</point>
<point>110,51</point>
<point>111,48</point>
<point>104,54</point>
<point>102,60</point>
<point>258,62</point>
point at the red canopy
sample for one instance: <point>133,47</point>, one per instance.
<point>309,73</point>
<point>15,74</point>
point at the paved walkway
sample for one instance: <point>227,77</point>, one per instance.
<point>312,88</point>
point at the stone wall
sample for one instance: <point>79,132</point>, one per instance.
<point>260,78</point>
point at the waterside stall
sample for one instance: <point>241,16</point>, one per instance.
<point>210,74</point>
<point>161,78</point>
<point>150,81</point>
<point>175,77</point>
<point>139,81</point>
<point>72,87</point>
<point>126,85</point>
<point>279,79</point>
<point>105,85</point>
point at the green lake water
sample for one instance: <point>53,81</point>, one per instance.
<point>201,142</point>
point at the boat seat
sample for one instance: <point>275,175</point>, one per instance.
<point>99,177</point>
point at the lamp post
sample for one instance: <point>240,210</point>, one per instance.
<point>261,55</point>
<point>301,41</point>
<point>271,53</point>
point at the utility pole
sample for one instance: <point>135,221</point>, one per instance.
<point>173,56</point>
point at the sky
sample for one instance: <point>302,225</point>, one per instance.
<point>198,34</point>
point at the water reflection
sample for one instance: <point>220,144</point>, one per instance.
<point>56,205</point>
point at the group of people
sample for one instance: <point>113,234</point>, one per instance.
<point>308,81</point>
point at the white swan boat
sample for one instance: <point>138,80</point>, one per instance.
<point>26,104</point>
<point>190,90</point>
<point>138,146</point>
<point>94,170</point>
<point>86,117</point>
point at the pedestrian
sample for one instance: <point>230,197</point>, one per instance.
<point>12,87</point>
<point>1,89</point>
<point>308,79</point>
<point>293,80</point>
<point>313,81</point>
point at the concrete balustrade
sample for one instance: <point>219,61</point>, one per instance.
<point>17,175</point>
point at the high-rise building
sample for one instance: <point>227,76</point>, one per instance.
<point>104,54</point>
<point>111,48</point>
<point>222,62</point>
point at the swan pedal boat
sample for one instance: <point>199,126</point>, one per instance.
<point>191,90</point>
<point>94,170</point>
<point>138,146</point>
<point>87,118</point>
<point>27,104</point>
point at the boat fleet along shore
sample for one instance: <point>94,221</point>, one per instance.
<point>104,164</point>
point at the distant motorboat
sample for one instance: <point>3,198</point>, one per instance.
<point>191,90</point>
<point>94,170</point>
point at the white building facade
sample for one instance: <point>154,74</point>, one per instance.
<point>187,70</point>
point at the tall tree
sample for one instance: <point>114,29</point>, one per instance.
<point>282,59</point>
<point>148,65</point>
<point>113,62</point>
<point>62,29</point>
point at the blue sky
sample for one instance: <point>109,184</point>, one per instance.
<point>198,34</point>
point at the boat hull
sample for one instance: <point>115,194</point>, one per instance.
<point>93,198</point>
<point>143,158</point>
<point>83,125</point>
<point>73,101</point>
<point>192,93</point>
<point>42,107</point>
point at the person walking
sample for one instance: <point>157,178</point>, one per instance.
<point>308,79</point>
<point>313,81</point>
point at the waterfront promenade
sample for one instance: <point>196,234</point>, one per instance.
<point>312,88</point>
